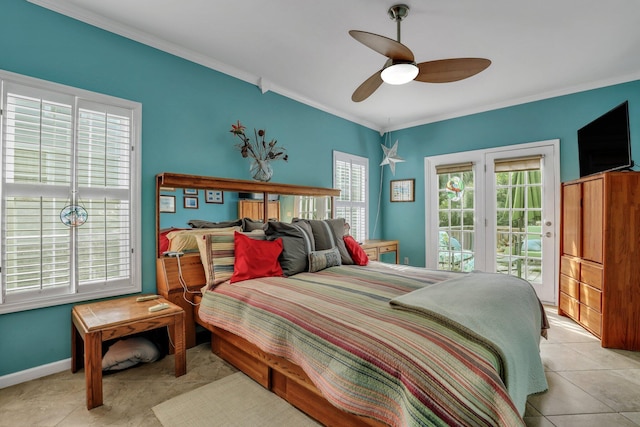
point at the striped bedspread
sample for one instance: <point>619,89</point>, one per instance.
<point>363,355</point>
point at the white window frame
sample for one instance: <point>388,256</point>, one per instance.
<point>75,292</point>
<point>358,160</point>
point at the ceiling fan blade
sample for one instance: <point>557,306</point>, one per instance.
<point>384,45</point>
<point>367,87</point>
<point>450,70</point>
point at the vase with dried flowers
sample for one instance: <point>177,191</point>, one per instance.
<point>261,152</point>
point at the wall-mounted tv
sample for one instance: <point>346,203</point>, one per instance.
<point>605,143</point>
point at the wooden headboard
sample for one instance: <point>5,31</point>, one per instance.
<point>169,286</point>
<point>168,282</point>
<point>169,277</point>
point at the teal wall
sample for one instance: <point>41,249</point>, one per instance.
<point>555,118</point>
<point>187,113</point>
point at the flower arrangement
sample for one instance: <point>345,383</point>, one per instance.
<point>261,150</point>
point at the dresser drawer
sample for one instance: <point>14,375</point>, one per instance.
<point>375,248</point>
<point>569,306</point>
<point>569,286</point>
<point>570,267</point>
<point>388,248</point>
<point>591,274</point>
<point>591,297</point>
<point>591,319</point>
<point>372,253</point>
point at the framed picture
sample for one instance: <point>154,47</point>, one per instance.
<point>168,204</point>
<point>191,191</point>
<point>213,196</point>
<point>403,190</point>
<point>190,202</point>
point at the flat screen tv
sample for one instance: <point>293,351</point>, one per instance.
<point>605,143</point>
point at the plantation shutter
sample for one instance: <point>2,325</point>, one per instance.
<point>350,176</point>
<point>60,150</point>
<point>104,160</point>
<point>38,135</point>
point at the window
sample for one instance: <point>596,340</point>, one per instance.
<point>351,176</point>
<point>62,147</point>
<point>311,207</point>
<point>306,207</point>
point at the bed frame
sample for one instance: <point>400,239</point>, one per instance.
<point>281,376</point>
<point>275,373</point>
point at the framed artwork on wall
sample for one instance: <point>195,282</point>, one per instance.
<point>168,204</point>
<point>190,202</point>
<point>213,196</point>
<point>403,190</point>
<point>191,191</point>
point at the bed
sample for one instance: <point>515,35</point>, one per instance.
<point>356,345</point>
<point>370,350</point>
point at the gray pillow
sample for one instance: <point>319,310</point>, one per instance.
<point>328,233</point>
<point>297,243</point>
<point>319,260</point>
<point>199,223</point>
<point>249,224</point>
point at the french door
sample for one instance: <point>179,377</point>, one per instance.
<point>495,210</point>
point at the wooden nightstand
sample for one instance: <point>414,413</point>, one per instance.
<point>375,248</point>
<point>101,321</point>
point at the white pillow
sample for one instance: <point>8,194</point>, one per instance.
<point>186,240</point>
<point>129,352</point>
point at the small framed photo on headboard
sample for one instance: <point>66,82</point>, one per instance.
<point>190,202</point>
<point>168,204</point>
<point>213,196</point>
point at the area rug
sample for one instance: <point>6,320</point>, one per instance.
<point>233,401</point>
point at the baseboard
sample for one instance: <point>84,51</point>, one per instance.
<point>34,373</point>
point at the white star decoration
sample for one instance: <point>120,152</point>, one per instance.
<point>391,157</point>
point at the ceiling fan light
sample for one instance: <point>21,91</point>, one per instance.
<point>399,74</point>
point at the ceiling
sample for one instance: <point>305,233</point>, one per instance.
<point>302,49</point>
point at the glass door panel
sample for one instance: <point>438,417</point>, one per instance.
<point>519,224</point>
<point>456,229</point>
<point>522,195</point>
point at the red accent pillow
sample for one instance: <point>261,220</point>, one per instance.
<point>255,258</point>
<point>358,254</point>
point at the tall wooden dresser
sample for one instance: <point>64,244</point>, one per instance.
<point>600,257</point>
<point>254,209</point>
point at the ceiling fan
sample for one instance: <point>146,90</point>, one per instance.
<point>401,66</point>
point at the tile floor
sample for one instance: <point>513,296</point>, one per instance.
<point>60,400</point>
<point>588,386</point>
